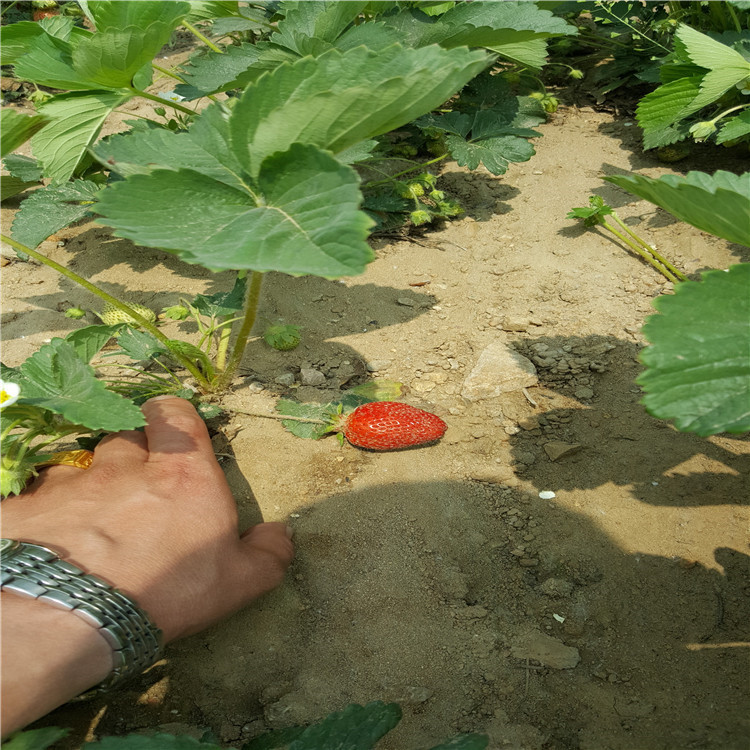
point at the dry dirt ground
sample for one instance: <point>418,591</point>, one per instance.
<point>612,616</point>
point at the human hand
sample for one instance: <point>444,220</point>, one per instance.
<point>154,517</point>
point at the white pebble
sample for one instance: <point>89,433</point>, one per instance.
<point>546,495</point>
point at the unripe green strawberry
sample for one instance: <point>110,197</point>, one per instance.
<point>409,190</point>
<point>420,217</point>
<point>449,208</point>
<point>176,312</point>
<point>549,103</point>
<point>673,153</point>
<point>428,178</point>
<point>112,315</point>
<point>75,313</point>
<point>282,337</point>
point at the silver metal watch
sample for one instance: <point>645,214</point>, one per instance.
<point>37,572</point>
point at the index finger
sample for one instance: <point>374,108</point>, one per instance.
<point>174,426</point>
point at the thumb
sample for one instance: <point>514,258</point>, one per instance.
<point>267,552</point>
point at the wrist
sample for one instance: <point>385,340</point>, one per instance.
<point>49,657</point>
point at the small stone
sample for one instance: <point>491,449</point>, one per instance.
<point>547,650</point>
<point>492,474</point>
<point>515,324</point>
<point>556,587</point>
<point>583,392</point>
<point>377,365</point>
<point>406,301</point>
<point>528,562</point>
<point>414,694</point>
<point>310,376</point>
<point>255,387</point>
<point>557,449</point>
<point>420,281</point>
<point>499,369</point>
<point>286,378</point>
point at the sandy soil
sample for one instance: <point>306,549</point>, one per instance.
<point>613,616</point>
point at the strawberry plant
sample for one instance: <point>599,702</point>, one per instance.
<point>266,187</point>
<point>698,364</point>
<point>594,215</point>
<point>705,77</point>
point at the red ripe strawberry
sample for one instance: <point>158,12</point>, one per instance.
<point>389,425</point>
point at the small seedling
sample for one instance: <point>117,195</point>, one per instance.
<point>593,216</point>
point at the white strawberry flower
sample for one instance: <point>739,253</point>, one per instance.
<point>170,96</point>
<point>9,393</point>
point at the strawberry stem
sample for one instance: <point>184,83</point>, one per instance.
<point>186,362</point>
<point>281,417</point>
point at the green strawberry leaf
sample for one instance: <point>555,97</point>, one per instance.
<point>35,739</point>
<point>55,378</point>
<point>140,345</point>
<point>666,105</point>
<point>719,203</point>
<point>698,364</point>
<point>10,186</point>
<point>494,136</point>
<point>357,153</point>
<point>129,36</point>
<point>19,39</point>
<point>274,112</point>
<point>51,208</point>
<point>23,167</point>
<point>17,128</point>
<point>355,728</point>
<point>516,30</point>
<point>735,127</point>
<point>294,230</point>
<point>222,303</point>
<point>314,22</point>
<point>205,10</point>
<point>494,153</point>
<point>89,341</point>
<point>377,390</point>
<point>234,68</point>
<point>308,430</point>
<point>204,148</point>
<point>726,67</point>
<point>74,122</point>
<point>277,738</point>
<point>49,62</point>
<point>157,741</point>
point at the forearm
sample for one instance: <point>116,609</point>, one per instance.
<point>49,656</point>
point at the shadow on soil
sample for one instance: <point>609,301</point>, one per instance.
<point>618,441</point>
<point>433,596</point>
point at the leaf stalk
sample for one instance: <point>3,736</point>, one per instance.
<point>252,298</point>
<point>202,37</point>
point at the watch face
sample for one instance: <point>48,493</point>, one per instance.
<point>7,545</point>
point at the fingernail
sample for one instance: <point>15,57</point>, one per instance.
<point>289,531</point>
